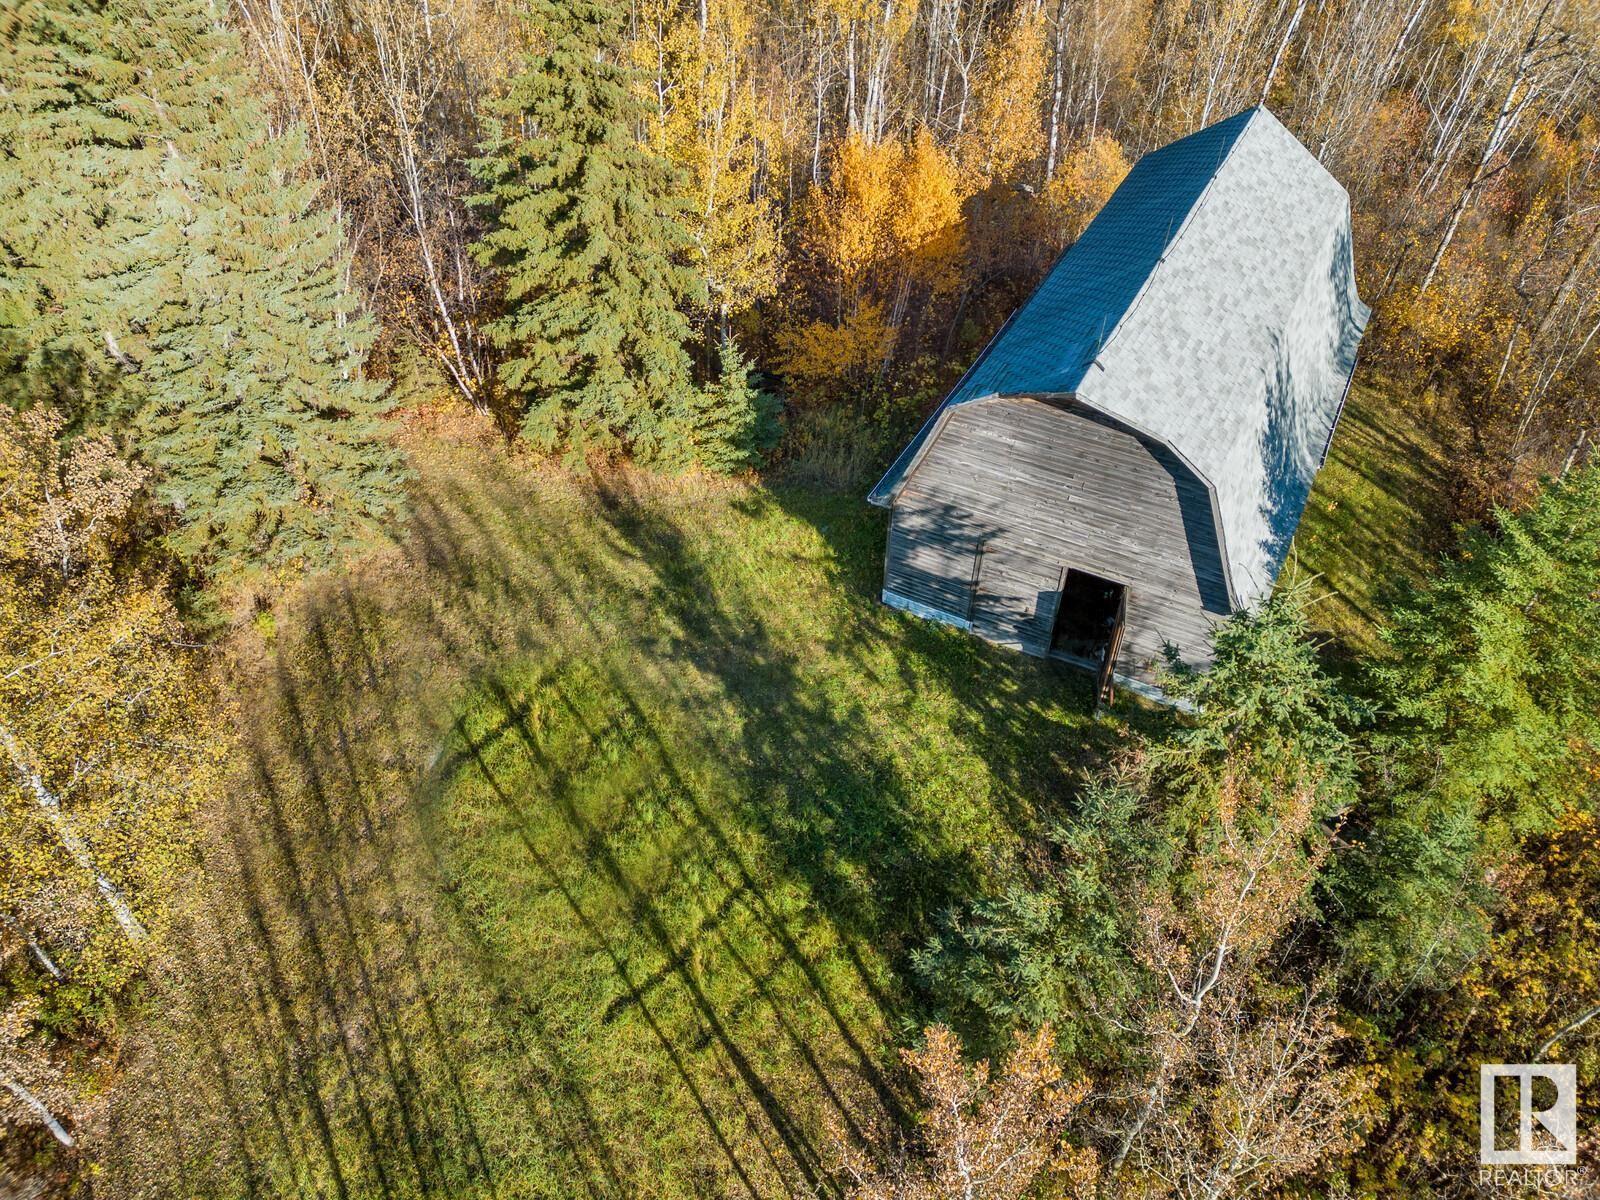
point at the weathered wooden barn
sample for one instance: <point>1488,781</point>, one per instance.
<point>1127,460</point>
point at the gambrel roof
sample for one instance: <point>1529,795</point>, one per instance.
<point>1211,305</point>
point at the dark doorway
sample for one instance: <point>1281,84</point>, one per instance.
<point>1088,618</point>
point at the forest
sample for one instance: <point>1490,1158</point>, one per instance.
<point>450,743</point>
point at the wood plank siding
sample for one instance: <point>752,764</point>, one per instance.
<point>1011,492</point>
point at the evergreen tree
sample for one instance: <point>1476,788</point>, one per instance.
<point>174,247</point>
<point>1493,692</point>
<point>266,436</point>
<point>1268,732</point>
<point>65,143</point>
<point>590,241</point>
<point>730,424</point>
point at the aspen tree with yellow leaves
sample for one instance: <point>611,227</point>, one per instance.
<point>697,62</point>
<point>1089,172</point>
<point>1002,134</point>
<point>109,734</point>
<point>603,835</point>
<point>884,229</point>
<point>928,231</point>
<point>847,239</point>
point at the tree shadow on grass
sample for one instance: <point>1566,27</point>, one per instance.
<point>346,1018</point>
<point>346,1030</point>
<point>814,775</point>
<point>515,805</point>
<point>700,632</point>
<point>1035,718</point>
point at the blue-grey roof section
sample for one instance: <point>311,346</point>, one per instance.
<point>1048,343</point>
<point>1211,305</point>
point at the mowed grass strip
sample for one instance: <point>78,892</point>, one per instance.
<point>579,845</point>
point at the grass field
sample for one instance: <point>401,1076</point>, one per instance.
<point>582,837</point>
<point>1370,521</point>
<point>582,843</point>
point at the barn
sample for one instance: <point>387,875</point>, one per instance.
<point>1127,460</point>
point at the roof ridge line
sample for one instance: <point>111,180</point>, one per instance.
<point>1171,243</point>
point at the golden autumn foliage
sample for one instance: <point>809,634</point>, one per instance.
<point>849,219</point>
<point>110,736</point>
<point>33,1087</point>
<point>704,117</point>
<point>980,1134</point>
<point>1533,996</point>
<point>868,189</point>
<point>1463,131</point>
<point>1089,172</point>
<point>1529,991</point>
<point>927,228</point>
<point>883,230</point>
<point>1003,134</point>
<point>819,352</point>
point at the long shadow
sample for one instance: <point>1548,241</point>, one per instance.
<point>339,924</point>
<point>398,1068</point>
<point>798,1144</point>
<point>825,795</point>
<point>699,821</point>
<point>1032,716</point>
<point>304,1062</point>
<point>331,823</point>
<point>519,817</point>
<point>850,819</point>
<point>437,533</point>
<point>713,637</point>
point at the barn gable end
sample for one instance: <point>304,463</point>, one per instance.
<point>1016,491</point>
<point>1208,318</point>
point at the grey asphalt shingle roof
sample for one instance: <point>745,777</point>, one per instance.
<point>1212,306</point>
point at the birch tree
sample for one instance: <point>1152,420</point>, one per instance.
<point>31,1085</point>
<point>704,118</point>
<point>389,92</point>
<point>989,1135</point>
<point>1518,58</point>
<point>108,734</point>
<point>1237,1089</point>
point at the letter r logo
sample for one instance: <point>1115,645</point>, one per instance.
<point>1559,1121</point>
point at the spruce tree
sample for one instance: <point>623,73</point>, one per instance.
<point>731,423</point>
<point>1493,695</point>
<point>267,437</point>
<point>177,281</point>
<point>66,142</point>
<point>1268,734</point>
<point>589,238</point>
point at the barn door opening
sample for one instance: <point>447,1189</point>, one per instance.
<point>1089,622</point>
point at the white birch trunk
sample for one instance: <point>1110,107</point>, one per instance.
<point>39,1109</point>
<point>77,849</point>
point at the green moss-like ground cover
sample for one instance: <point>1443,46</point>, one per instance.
<point>1372,517</point>
<point>581,846</point>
